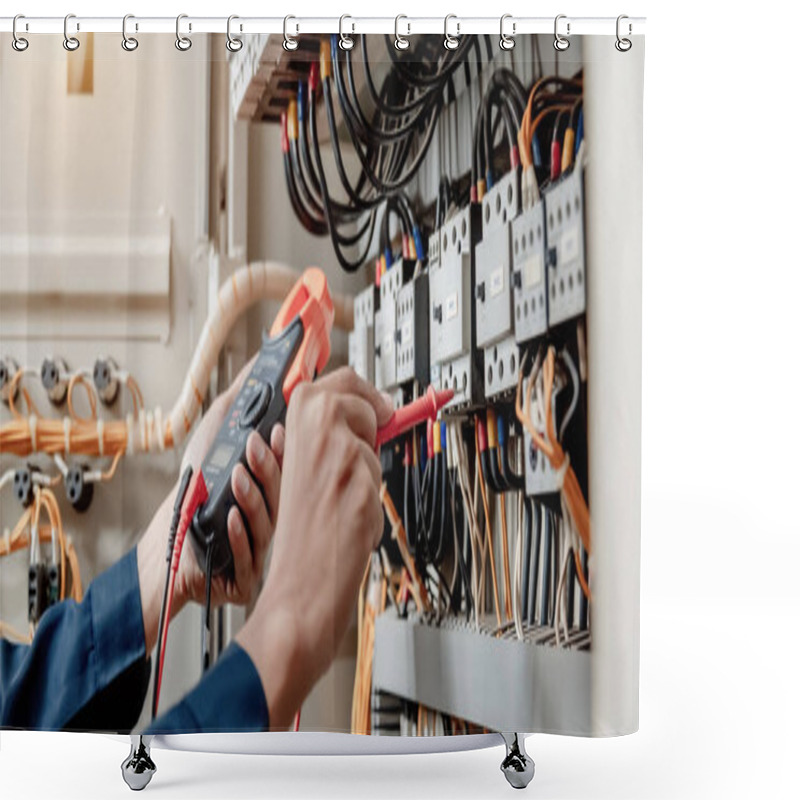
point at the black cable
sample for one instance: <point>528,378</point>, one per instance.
<point>349,266</point>
<point>206,633</point>
<point>537,543</point>
<point>173,530</point>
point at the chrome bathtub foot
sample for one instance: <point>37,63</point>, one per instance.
<point>138,768</point>
<point>517,766</point>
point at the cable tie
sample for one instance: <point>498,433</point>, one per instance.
<point>561,472</point>
<point>129,424</point>
<point>32,426</point>
<point>143,443</point>
<point>100,443</point>
<point>158,419</point>
<point>67,422</point>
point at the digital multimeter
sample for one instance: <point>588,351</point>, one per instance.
<point>296,350</point>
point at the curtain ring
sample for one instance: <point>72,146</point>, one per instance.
<point>71,43</point>
<point>400,42</point>
<point>560,42</point>
<point>345,41</point>
<point>451,42</point>
<point>183,43</point>
<point>234,43</point>
<point>289,42</point>
<point>623,44</point>
<point>506,41</point>
<point>129,43</point>
<point>18,42</point>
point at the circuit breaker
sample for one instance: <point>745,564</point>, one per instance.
<point>566,254</point>
<point>455,362</point>
<point>494,319</point>
<point>361,340</point>
<point>528,276</point>
<point>411,335</point>
<point>386,323</point>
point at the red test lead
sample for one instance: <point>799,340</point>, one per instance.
<point>412,414</point>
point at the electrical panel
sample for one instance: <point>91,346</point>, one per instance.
<point>566,260</point>
<point>454,358</point>
<point>494,316</point>
<point>529,276</point>
<point>361,340</point>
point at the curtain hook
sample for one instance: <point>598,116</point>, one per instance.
<point>129,43</point>
<point>560,42</point>
<point>623,44</point>
<point>451,42</point>
<point>506,41</point>
<point>71,43</point>
<point>19,43</point>
<point>183,43</point>
<point>289,42</point>
<point>234,43</point>
<point>345,41</point>
<point>401,42</point>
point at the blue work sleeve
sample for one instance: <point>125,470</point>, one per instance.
<point>81,652</point>
<point>228,699</point>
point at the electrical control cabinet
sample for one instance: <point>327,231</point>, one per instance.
<point>411,335</point>
<point>566,254</point>
<point>528,276</point>
<point>455,362</point>
<point>361,340</point>
<point>494,317</point>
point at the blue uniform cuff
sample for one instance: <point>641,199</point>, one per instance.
<point>228,699</point>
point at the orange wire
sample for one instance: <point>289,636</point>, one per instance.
<point>488,529</point>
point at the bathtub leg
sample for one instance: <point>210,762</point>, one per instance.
<point>517,766</point>
<point>138,768</point>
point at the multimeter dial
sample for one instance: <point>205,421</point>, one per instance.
<point>256,406</point>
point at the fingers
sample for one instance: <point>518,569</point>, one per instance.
<point>345,381</point>
<point>277,442</point>
<point>264,467</point>
<point>251,502</point>
<point>370,457</point>
<point>240,547</point>
<point>359,416</point>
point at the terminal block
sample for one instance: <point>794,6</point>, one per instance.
<point>37,592</point>
<point>411,335</point>
<point>540,477</point>
<point>361,340</point>
<point>566,254</point>
<point>456,363</point>
<point>386,323</point>
<point>494,318</point>
<point>528,276</point>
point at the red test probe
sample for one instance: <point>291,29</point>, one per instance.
<point>411,414</point>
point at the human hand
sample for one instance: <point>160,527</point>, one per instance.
<point>250,490</point>
<point>330,521</point>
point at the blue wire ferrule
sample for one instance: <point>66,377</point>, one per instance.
<point>418,243</point>
<point>537,153</point>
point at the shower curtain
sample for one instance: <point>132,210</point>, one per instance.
<point>471,217</point>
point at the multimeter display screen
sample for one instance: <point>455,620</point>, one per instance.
<point>221,456</point>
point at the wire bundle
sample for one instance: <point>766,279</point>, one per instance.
<point>390,138</point>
